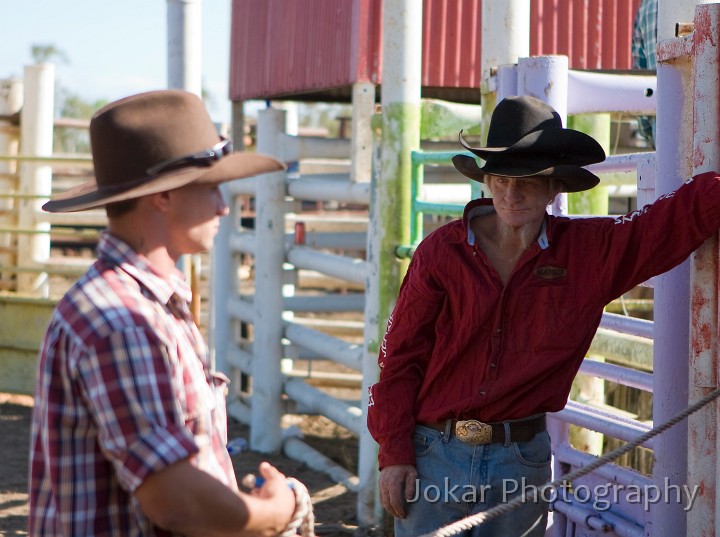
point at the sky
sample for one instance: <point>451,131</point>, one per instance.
<point>114,48</point>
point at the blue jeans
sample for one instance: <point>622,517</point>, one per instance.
<point>456,480</point>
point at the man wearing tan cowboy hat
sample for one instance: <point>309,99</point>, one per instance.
<point>495,316</point>
<point>129,425</point>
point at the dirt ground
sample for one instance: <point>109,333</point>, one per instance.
<point>334,506</point>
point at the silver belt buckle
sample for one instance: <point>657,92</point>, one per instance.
<point>473,432</point>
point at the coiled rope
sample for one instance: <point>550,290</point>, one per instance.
<point>499,510</point>
<point>303,518</point>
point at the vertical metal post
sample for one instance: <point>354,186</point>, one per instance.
<point>237,132</point>
<point>184,71</point>
<point>559,436</point>
<point>588,389</point>
<point>507,78</point>
<point>222,286</point>
<point>184,42</point>
<point>363,108</point>
<point>265,432</point>
<point>402,39</point>
<point>670,377</point>
<point>593,201</point>
<point>363,102</point>
<point>223,280</point>
<point>35,178</point>
<point>390,203</point>
<point>11,98</point>
<point>702,447</point>
<point>546,78</point>
<point>505,37</point>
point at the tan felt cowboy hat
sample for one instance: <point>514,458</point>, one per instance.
<point>154,142</point>
<point>526,139</point>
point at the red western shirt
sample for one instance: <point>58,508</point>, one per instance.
<point>461,345</point>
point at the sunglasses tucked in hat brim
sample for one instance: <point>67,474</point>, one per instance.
<point>154,142</point>
<point>238,165</point>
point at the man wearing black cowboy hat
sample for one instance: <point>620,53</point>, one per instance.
<point>494,318</point>
<point>129,428</point>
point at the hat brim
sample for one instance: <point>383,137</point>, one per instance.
<point>563,146</point>
<point>235,166</point>
<point>573,178</point>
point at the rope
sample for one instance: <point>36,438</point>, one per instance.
<point>499,510</point>
<point>303,517</point>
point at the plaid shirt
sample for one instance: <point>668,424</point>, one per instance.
<point>124,389</point>
<point>644,42</point>
<point>644,38</point>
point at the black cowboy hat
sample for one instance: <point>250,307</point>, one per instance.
<point>526,139</point>
<point>154,142</point>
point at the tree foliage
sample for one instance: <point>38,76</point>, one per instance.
<point>67,139</point>
<point>71,105</point>
<point>47,53</point>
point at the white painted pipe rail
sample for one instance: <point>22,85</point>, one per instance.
<point>340,351</point>
<point>329,187</point>
<point>325,303</point>
<point>628,325</point>
<point>603,422</point>
<point>245,187</point>
<point>619,374</point>
<point>623,163</point>
<point>243,242</point>
<point>445,193</point>
<point>331,325</point>
<point>582,516</point>
<point>81,218</point>
<point>299,450</point>
<point>612,472</point>
<point>342,412</point>
<point>240,309</point>
<point>346,241</point>
<point>239,359</point>
<point>604,92</point>
<point>346,268</point>
<point>299,147</point>
<point>586,518</point>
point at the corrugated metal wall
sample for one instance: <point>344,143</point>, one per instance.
<point>286,47</point>
<point>283,47</point>
<point>594,34</point>
<point>451,43</point>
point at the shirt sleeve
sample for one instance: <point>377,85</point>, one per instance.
<point>130,388</point>
<point>656,238</point>
<point>404,354</point>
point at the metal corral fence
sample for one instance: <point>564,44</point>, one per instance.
<point>41,253</point>
<point>277,312</point>
<point>297,280</point>
<point>265,324</point>
<point>31,274</point>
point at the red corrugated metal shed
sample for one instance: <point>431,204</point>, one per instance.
<point>316,49</point>
<point>282,47</point>
<point>594,34</point>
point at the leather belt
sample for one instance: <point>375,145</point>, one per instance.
<point>476,432</point>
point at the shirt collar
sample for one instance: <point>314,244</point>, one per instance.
<point>117,252</point>
<point>484,206</point>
